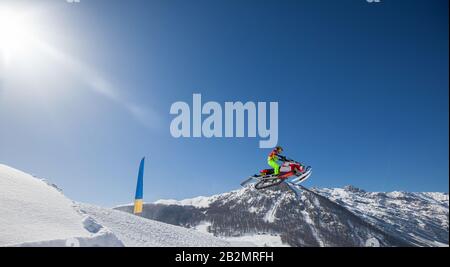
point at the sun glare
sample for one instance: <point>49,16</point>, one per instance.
<point>16,32</point>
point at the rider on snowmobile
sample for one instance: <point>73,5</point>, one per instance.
<point>273,157</point>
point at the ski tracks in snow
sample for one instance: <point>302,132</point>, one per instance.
<point>270,215</point>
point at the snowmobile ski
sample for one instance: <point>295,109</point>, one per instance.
<point>303,176</point>
<point>246,181</point>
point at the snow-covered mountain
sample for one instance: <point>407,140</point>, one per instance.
<point>317,217</point>
<point>421,219</point>
<point>34,212</point>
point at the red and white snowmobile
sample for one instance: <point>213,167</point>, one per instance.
<point>290,170</point>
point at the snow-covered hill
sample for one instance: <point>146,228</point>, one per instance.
<point>317,217</point>
<point>36,213</point>
<point>136,231</point>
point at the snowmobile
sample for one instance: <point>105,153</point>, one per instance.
<point>290,170</point>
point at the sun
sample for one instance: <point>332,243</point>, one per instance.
<point>16,32</point>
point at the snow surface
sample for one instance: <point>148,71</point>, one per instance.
<point>270,215</point>
<point>247,240</point>
<point>258,240</point>
<point>34,212</point>
<point>136,231</point>
<point>37,214</point>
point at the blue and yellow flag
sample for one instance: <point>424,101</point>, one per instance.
<point>139,197</point>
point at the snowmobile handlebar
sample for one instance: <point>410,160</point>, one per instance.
<point>283,158</point>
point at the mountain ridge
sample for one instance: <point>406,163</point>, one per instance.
<point>313,217</point>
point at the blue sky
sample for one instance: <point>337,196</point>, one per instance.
<point>362,91</point>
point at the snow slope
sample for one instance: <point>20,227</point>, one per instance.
<point>140,232</point>
<point>36,213</point>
